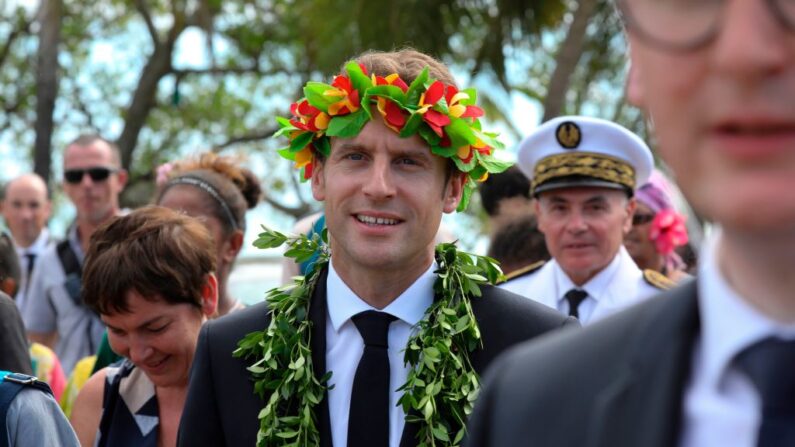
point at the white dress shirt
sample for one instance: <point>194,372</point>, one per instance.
<point>36,249</point>
<point>617,286</point>
<point>344,347</point>
<point>721,405</point>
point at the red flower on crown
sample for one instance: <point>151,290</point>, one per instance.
<point>393,115</point>
<point>307,117</point>
<point>348,101</point>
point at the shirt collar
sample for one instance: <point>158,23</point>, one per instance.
<point>596,286</point>
<point>728,323</point>
<point>410,306</point>
<point>36,247</point>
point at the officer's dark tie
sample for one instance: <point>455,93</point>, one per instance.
<point>575,297</point>
<point>770,364</point>
<point>368,421</point>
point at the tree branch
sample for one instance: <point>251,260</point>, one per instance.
<point>255,136</point>
<point>297,211</point>
<point>140,5</point>
<point>221,71</point>
<point>6,48</point>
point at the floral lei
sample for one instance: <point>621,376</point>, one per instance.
<point>441,386</point>
<point>446,118</point>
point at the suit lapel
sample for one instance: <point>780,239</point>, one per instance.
<point>317,314</point>
<point>643,405</point>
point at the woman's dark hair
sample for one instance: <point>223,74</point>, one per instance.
<point>154,251</point>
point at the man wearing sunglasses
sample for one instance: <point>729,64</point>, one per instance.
<point>711,363</point>
<point>583,173</point>
<point>55,314</point>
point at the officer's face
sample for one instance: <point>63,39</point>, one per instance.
<point>584,228</point>
<point>724,115</point>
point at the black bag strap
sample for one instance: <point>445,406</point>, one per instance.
<point>10,385</point>
<point>68,258</point>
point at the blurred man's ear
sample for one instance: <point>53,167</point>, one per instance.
<point>634,87</point>
<point>8,286</point>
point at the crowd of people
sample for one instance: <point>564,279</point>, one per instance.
<point>603,331</point>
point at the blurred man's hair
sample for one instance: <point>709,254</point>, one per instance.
<point>511,183</point>
<point>518,244</point>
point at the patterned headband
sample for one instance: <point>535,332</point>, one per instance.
<point>209,189</point>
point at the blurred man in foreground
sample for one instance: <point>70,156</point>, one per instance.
<point>710,363</point>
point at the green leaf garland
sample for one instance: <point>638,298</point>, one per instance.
<point>441,387</point>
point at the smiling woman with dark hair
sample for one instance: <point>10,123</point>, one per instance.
<point>149,275</point>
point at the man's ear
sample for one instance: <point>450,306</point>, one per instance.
<point>318,181</point>
<point>454,190</point>
<point>632,204</point>
<point>541,220</point>
<point>209,302</point>
<point>122,176</point>
<point>233,246</point>
<point>634,86</point>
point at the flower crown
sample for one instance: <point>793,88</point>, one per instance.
<point>446,118</point>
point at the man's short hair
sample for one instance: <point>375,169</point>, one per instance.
<point>153,251</point>
<point>88,139</point>
<point>511,183</point>
<point>407,63</point>
<point>518,244</point>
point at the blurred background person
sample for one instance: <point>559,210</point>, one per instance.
<point>149,275</point>
<point>25,205</point>
<point>506,197</point>
<point>657,230</point>
<point>54,314</point>
<point>13,345</point>
<point>519,244</point>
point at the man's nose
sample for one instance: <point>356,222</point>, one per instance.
<point>379,183</point>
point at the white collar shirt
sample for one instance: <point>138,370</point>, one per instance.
<point>36,249</point>
<point>344,347</point>
<point>616,287</point>
<point>721,406</point>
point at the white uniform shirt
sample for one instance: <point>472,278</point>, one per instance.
<point>36,248</point>
<point>344,347</point>
<point>721,405</point>
<point>617,286</point>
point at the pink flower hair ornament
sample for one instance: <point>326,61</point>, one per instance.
<point>446,118</point>
<point>668,231</point>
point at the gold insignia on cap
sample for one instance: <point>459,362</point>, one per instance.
<point>568,134</point>
<point>585,164</point>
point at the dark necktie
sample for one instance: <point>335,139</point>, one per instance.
<point>770,364</point>
<point>368,421</point>
<point>575,297</point>
<point>31,260</point>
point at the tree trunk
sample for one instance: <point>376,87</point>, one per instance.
<point>567,58</point>
<point>46,83</point>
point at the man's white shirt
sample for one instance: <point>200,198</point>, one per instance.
<point>344,347</point>
<point>36,249</point>
<point>721,405</point>
<point>616,287</point>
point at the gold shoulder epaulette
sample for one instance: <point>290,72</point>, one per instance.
<point>658,280</point>
<point>524,270</point>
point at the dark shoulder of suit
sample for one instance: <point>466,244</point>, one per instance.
<point>221,408</point>
<point>505,319</point>
<point>14,355</point>
<point>615,383</point>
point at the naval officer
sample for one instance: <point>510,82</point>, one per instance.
<point>583,173</point>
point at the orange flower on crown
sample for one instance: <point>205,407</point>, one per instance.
<point>307,117</point>
<point>348,102</point>
<point>458,110</point>
<point>465,153</point>
<point>436,120</point>
<point>393,115</point>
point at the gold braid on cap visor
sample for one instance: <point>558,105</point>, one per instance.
<point>587,164</point>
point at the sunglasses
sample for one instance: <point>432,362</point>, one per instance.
<point>640,219</point>
<point>97,174</point>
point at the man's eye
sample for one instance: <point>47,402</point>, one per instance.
<point>408,161</point>
<point>158,329</point>
<point>355,156</point>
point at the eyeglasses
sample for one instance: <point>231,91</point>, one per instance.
<point>640,219</point>
<point>684,25</point>
<point>97,174</point>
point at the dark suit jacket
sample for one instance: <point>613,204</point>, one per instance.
<point>221,408</point>
<point>14,354</point>
<point>616,383</point>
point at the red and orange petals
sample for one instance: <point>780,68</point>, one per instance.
<point>392,114</point>
<point>465,153</point>
<point>434,93</point>
<point>436,120</point>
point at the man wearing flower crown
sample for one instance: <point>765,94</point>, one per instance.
<point>583,173</point>
<point>389,146</point>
